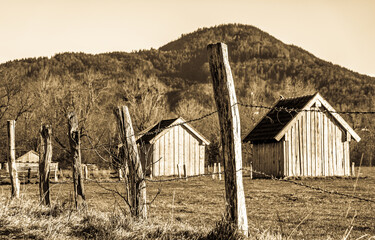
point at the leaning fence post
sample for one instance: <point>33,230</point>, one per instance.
<point>136,179</point>
<point>12,159</point>
<point>75,151</point>
<point>45,157</point>
<point>226,102</point>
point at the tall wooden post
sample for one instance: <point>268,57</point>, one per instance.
<point>12,159</point>
<point>136,179</point>
<point>229,118</point>
<point>75,151</point>
<point>45,158</point>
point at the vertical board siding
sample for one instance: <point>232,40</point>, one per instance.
<point>313,146</point>
<point>162,156</point>
<point>201,159</point>
<point>156,159</point>
<point>180,149</point>
<point>186,151</point>
<point>175,159</point>
<point>174,149</point>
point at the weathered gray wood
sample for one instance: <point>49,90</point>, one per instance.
<point>214,171</point>
<point>45,158</point>
<point>56,171</point>
<point>137,182</point>
<point>229,118</point>
<point>75,151</point>
<point>85,172</point>
<point>219,169</point>
<point>12,168</point>
<point>353,169</point>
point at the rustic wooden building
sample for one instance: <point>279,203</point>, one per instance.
<point>30,160</point>
<point>169,145</point>
<point>311,142</point>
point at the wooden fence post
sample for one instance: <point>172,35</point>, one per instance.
<point>85,171</point>
<point>251,170</point>
<point>15,193</point>
<point>214,172</point>
<point>179,170</point>
<point>219,169</point>
<point>136,177</point>
<point>353,169</point>
<point>45,157</point>
<point>75,151</point>
<point>229,118</point>
<point>56,171</point>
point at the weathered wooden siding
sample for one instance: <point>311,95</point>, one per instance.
<point>176,148</point>
<point>268,158</point>
<point>315,145</point>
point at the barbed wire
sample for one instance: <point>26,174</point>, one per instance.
<point>334,192</point>
<point>297,110</point>
<point>315,188</point>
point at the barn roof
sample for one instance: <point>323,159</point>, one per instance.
<point>152,133</point>
<point>277,121</point>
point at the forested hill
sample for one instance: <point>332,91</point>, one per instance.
<point>170,81</point>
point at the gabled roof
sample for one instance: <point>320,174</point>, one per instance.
<point>31,152</point>
<point>151,134</point>
<point>276,122</point>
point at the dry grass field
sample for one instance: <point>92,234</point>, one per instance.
<point>192,209</point>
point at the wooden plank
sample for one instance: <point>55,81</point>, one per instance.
<point>293,150</point>
<point>168,155</point>
<point>14,181</point>
<point>340,150</point>
<point>329,146</point>
<point>156,158</point>
<point>180,149</point>
<point>196,161</point>
<point>298,149</point>
<point>335,148</point>
<point>192,143</point>
<point>175,159</point>
<point>201,158</point>
<point>304,147</point>
<point>313,142</point>
<point>308,143</point>
<point>162,155</point>
<point>319,159</point>
<point>325,145</point>
<point>225,98</point>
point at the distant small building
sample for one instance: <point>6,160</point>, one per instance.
<point>312,141</point>
<point>29,157</point>
<point>30,160</point>
<point>169,145</point>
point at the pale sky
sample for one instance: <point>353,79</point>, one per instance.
<point>339,31</point>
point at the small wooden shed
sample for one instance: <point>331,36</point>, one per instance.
<point>30,160</point>
<point>311,142</point>
<point>171,144</point>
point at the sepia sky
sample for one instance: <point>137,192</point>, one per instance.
<point>339,31</point>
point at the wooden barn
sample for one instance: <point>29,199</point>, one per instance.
<point>30,160</point>
<point>311,142</point>
<point>175,145</point>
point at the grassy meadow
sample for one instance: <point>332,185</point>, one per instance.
<point>193,209</point>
